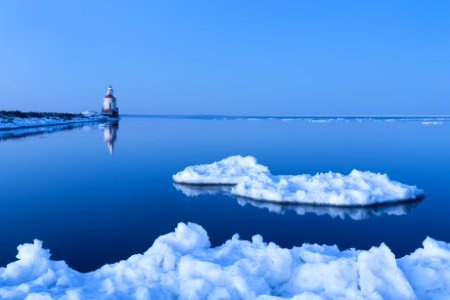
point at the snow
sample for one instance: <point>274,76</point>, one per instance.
<point>16,120</point>
<point>228,171</point>
<point>254,181</point>
<point>182,265</point>
<point>355,189</point>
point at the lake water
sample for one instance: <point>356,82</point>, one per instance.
<point>91,207</point>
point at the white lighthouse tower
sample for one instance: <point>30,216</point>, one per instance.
<point>109,104</point>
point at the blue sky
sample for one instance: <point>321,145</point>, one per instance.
<point>227,57</point>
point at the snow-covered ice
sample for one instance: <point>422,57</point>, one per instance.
<point>228,171</point>
<point>355,189</point>
<point>15,120</point>
<point>254,181</point>
<point>182,265</point>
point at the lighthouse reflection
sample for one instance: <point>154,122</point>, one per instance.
<point>353,213</point>
<point>110,134</point>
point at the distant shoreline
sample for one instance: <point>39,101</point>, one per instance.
<point>299,117</point>
<point>10,120</point>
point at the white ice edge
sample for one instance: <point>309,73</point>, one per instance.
<point>255,181</point>
<point>182,265</point>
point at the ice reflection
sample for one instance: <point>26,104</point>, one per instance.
<point>197,190</point>
<point>109,129</point>
<point>37,131</point>
<point>353,213</point>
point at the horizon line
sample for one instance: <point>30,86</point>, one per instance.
<point>282,116</point>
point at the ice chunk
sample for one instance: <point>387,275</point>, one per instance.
<point>356,189</point>
<point>228,171</point>
<point>254,181</point>
<point>182,265</point>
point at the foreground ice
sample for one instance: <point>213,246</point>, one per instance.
<point>342,212</point>
<point>254,181</point>
<point>182,265</point>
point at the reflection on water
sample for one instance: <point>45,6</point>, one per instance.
<point>93,208</point>
<point>109,128</point>
<point>354,213</point>
<point>36,131</point>
<point>198,190</point>
<point>110,134</point>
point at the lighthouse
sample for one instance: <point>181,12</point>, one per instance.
<point>109,104</point>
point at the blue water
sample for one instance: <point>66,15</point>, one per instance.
<point>91,207</point>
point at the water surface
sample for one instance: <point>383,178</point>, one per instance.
<point>97,195</point>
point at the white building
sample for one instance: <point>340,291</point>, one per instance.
<point>110,103</point>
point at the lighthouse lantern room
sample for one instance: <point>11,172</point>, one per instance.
<point>110,104</point>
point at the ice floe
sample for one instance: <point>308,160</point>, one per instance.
<point>182,265</point>
<point>254,181</point>
<point>355,189</point>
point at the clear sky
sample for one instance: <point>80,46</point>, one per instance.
<point>227,57</point>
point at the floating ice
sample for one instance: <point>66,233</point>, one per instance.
<point>356,189</point>
<point>254,181</point>
<point>182,265</point>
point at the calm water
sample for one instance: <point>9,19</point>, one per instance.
<point>91,207</point>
